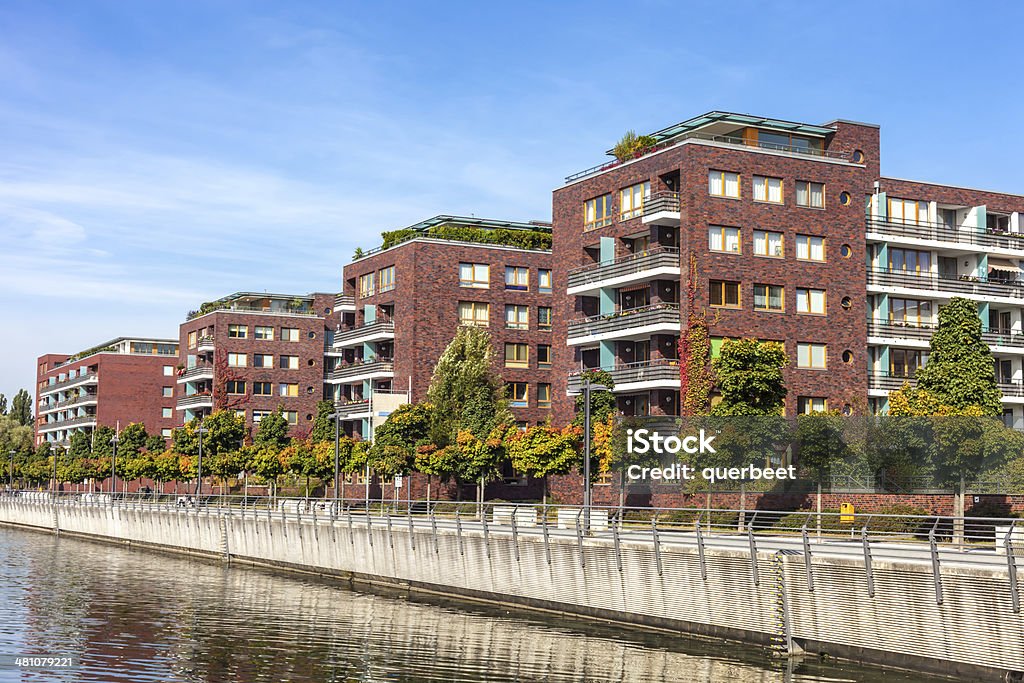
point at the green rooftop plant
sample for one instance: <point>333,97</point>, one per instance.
<point>523,239</point>
<point>631,145</point>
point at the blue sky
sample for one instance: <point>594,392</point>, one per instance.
<point>156,155</point>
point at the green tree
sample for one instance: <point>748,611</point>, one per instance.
<point>543,450</point>
<point>224,433</point>
<point>21,407</point>
<point>132,440</point>
<point>79,446</point>
<point>3,404</point>
<point>466,393</point>
<point>273,432</point>
<point>960,372</point>
<point>323,425</point>
<point>749,378</point>
<point>395,442</point>
<point>268,465</point>
<point>101,445</point>
<point>155,444</point>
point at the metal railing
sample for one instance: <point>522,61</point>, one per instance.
<point>630,318</point>
<point>343,300</point>
<point>197,372</point>
<point>384,327</point>
<point>346,409</point>
<point>661,202</point>
<point>888,382</point>
<point>70,422</point>
<point>964,284</point>
<point>85,398</point>
<point>71,381</point>
<point>663,370</point>
<point>376,366</point>
<point>205,342</point>
<point>198,399</point>
<point>632,264</point>
<point>924,331</point>
<point>941,232</point>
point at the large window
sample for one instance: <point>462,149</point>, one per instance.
<point>517,355</point>
<point>811,356</point>
<point>262,360</point>
<point>386,279</point>
<point>768,244</point>
<point>262,389</point>
<point>192,339</point>
<point>810,194</point>
<point>905,362</point>
<point>517,278</point>
<point>725,294</point>
<point>767,189</point>
<point>808,405</point>
<point>597,212</point>
<point>909,260</point>
<point>288,362</point>
<point>366,285</point>
<point>724,184</point>
<point>264,332</point>
<point>913,312</point>
<point>543,355</point>
<point>238,331</point>
<point>768,298</point>
<point>810,248</point>
<point>235,386</point>
<point>544,318</point>
<point>477,275</point>
<point>517,317</point>
<point>519,394</point>
<point>632,198</point>
<point>721,238</point>
<point>543,395</point>
<point>474,313</point>
<point>288,389</point>
<point>290,334</point>
<point>908,211</point>
<point>238,360</point>
<point>544,281</point>
<point>810,301</point>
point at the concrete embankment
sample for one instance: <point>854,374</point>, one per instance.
<point>894,613</point>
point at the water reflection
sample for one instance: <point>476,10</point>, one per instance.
<point>140,616</point>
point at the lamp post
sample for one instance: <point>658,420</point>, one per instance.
<point>337,465</point>
<point>10,475</point>
<point>113,467</point>
<point>199,471</point>
<point>588,387</point>
<point>55,470</point>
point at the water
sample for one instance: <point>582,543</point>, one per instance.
<point>132,615</point>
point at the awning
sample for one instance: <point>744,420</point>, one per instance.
<point>1004,264</point>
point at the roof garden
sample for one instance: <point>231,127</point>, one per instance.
<point>259,302</point>
<point>531,235</point>
<point>143,345</point>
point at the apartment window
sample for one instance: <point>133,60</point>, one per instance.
<point>810,301</point>
<point>724,184</point>
<point>235,386</point>
<point>517,278</point>
<point>258,415</point>
<point>168,392</point>
<point>519,394</point>
<point>725,294</point>
<point>262,360</point>
<point>632,198</point>
<point>544,318</point>
<point>290,334</point>
<point>767,189</point>
<point>386,279</point>
<point>238,331</point>
<point>810,194</point>
<point>908,211</point>
<point>477,275</point>
<point>543,395</point>
<point>597,212</point>
<point>810,248</point>
<point>721,238</point>
<point>905,362</point>
<point>913,312</point>
<point>291,416</point>
<point>167,412</point>
<point>517,317</point>
<point>812,356</point>
<point>517,355</point>
<point>808,405</point>
<point>768,298</point>
<point>474,313</point>
<point>192,336</point>
<point>238,360</point>
<point>768,244</point>
<point>262,389</point>
<point>910,260</point>
<point>165,432</point>
<point>168,371</point>
<point>288,389</point>
<point>240,413</point>
<point>288,362</point>
<point>544,281</point>
<point>543,355</point>
<point>264,332</point>
<point>366,283</point>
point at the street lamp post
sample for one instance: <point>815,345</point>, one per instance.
<point>199,471</point>
<point>335,508</point>
<point>587,389</point>
<point>113,467</point>
<point>55,473</point>
<point>10,475</point>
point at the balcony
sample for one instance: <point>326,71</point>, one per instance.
<point>199,400</point>
<point>196,374</point>
<point>884,381</point>
<point>343,302</point>
<point>379,330</point>
<point>655,374</point>
<point>940,232</point>
<point>634,323</point>
<point>969,285</point>
<point>87,399</point>
<point>80,421</point>
<point>352,410</point>
<point>87,378</point>
<point>357,372</point>
<point>923,332</point>
<point>658,262</point>
<point>662,208</point>
<point>205,345</point>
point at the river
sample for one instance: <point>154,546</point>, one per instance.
<point>133,615</point>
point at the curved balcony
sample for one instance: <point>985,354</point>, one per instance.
<point>87,378</point>
<point>993,337</point>
<point>656,263</point>
<point>662,208</point>
<point>343,302</point>
<point>356,372</point>
<point>633,323</point>
<point>80,421</point>
<point>881,228</point>
<point>628,377</point>
<point>977,287</point>
<point>87,399</point>
<point>205,344</point>
<point>379,330</point>
<point>352,410</point>
<point>200,400</point>
<point>196,374</point>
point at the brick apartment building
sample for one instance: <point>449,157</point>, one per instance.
<point>121,381</point>
<point>254,352</point>
<point>402,304</point>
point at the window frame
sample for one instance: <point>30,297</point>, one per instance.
<point>634,210</point>
<point>382,285</point>
<point>541,287</point>
<point>517,278</point>
<point>264,330</point>
<point>767,234</point>
<point>284,357</point>
<point>808,291</point>
<point>806,240</point>
<point>518,360</point>
<point>548,348</point>
<point>541,402</point>
<point>767,297</point>
<point>722,179</point>
<point>810,349</point>
<point>473,282</point>
<point>237,331</point>
<point>244,357</point>
<point>591,219</point>
<point>541,325</point>
<point>721,286</point>
<point>474,306</point>
<point>366,285</point>
<point>765,187</point>
<point>511,391</point>
<point>723,232</point>
<point>807,188</point>
<point>232,385</point>
<point>521,322</point>
<point>269,386</point>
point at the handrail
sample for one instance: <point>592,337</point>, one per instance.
<point>652,251</point>
<point>626,312</point>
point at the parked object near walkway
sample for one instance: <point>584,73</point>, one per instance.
<point>524,516</point>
